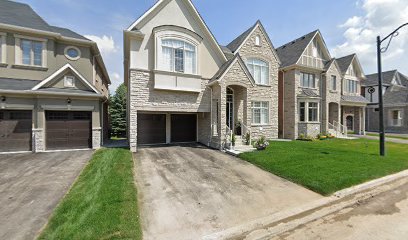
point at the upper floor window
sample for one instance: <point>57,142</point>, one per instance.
<point>351,86</point>
<point>333,84</point>
<point>3,48</point>
<point>258,40</point>
<point>178,56</point>
<point>31,52</point>
<point>72,53</point>
<point>307,80</point>
<point>396,118</point>
<point>259,70</point>
<point>69,81</point>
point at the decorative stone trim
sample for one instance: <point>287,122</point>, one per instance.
<point>96,138</point>
<point>38,140</point>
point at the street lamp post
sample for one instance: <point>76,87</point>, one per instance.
<point>380,83</point>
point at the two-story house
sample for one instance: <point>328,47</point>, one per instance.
<point>395,95</point>
<point>184,87</point>
<point>353,103</point>
<point>53,85</point>
<point>318,93</point>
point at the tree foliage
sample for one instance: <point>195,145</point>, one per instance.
<point>117,112</point>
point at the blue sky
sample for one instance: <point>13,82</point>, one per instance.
<point>348,25</point>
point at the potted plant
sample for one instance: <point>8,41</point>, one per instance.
<point>238,128</point>
<point>261,143</point>
<point>247,138</point>
<point>233,139</point>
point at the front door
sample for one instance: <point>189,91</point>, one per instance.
<point>350,123</point>
<point>230,108</point>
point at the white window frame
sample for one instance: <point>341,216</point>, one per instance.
<point>301,76</point>
<point>333,83</point>
<point>66,78</point>
<point>3,48</point>
<point>262,110</point>
<point>348,90</point>
<point>257,40</point>
<point>262,64</point>
<point>19,51</point>
<point>173,67</point>
<point>307,108</point>
<point>396,122</point>
<point>67,48</point>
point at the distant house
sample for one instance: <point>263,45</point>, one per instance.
<point>395,90</point>
<point>318,93</point>
<point>53,85</point>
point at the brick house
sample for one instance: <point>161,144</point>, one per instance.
<point>185,87</point>
<point>318,93</point>
<point>395,89</point>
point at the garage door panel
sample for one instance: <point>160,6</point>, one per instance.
<point>151,128</point>
<point>15,130</point>
<point>68,130</point>
<point>183,128</point>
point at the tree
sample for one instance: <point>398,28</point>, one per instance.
<point>117,112</point>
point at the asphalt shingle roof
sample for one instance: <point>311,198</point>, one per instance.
<point>234,45</point>
<point>17,84</point>
<point>345,62</point>
<point>309,93</point>
<point>290,53</point>
<point>372,79</point>
<point>354,99</point>
<point>396,95</point>
<point>22,15</point>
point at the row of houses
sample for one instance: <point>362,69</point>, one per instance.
<point>184,86</point>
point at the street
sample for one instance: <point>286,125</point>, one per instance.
<point>381,217</point>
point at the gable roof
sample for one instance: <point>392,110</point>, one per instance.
<point>372,79</point>
<point>17,84</point>
<point>191,6</point>
<point>61,70</point>
<point>22,15</point>
<point>226,67</point>
<point>290,52</point>
<point>345,62</point>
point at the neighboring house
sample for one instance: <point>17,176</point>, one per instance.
<point>395,90</point>
<point>316,92</point>
<point>53,85</point>
<point>184,87</point>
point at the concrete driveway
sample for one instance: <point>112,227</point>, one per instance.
<point>31,185</point>
<point>187,192</point>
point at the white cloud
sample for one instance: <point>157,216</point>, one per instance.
<point>116,80</point>
<point>380,17</point>
<point>105,43</point>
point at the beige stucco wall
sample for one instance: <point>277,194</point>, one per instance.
<point>174,13</point>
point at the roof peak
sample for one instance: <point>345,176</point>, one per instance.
<point>299,38</point>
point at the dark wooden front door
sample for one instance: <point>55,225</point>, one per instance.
<point>68,130</point>
<point>151,129</point>
<point>15,130</point>
<point>183,128</point>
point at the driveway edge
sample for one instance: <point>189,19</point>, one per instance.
<point>270,226</point>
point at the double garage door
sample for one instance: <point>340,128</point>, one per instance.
<point>152,128</point>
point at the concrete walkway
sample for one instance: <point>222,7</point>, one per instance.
<point>387,139</point>
<point>31,186</point>
<point>187,192</point>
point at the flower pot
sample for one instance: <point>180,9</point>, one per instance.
<point>260,148</point>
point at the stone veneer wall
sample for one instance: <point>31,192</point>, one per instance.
<point>372,120</point>
<point>96,138</point>
<point>330,96</point>
<point>309,129</point>
<point>356,112</point>
<point>38,144</point>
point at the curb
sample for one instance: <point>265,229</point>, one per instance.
<point>270,226</point>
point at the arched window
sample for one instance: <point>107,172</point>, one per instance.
<point>178,56</point>
<point>259,70</point>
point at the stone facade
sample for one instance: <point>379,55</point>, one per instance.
<point>331,98</point>
<point>38,140</point>
<point>357,114</point>
<point>96,138</point>
<point>309,129</point>
<point>372,119</point>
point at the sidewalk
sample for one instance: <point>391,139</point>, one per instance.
<point>387,139</point>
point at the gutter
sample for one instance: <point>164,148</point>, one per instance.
<point>30,92</point>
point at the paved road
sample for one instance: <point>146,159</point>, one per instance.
<point>187,192</point>
<point>31,185</point>
<point>382,217</point>
<point>387,139</point>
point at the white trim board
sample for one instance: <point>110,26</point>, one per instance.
<point>55,74</point>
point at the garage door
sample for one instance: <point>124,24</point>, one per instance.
<point>183,128</point>
<point>15,131</point>
<point>68,130</point>
<point>151,129</point>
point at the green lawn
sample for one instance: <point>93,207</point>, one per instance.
<point>102,204</point>
<point>328,166</point>
<point>388,136</point>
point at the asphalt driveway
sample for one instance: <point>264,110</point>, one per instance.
<point>31,185</point>
<point>186,192</point>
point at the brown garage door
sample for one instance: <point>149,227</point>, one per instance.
<point>183,128</point>
<point>15,131</point>
<point>151,129</point>
<point>68,130</point>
